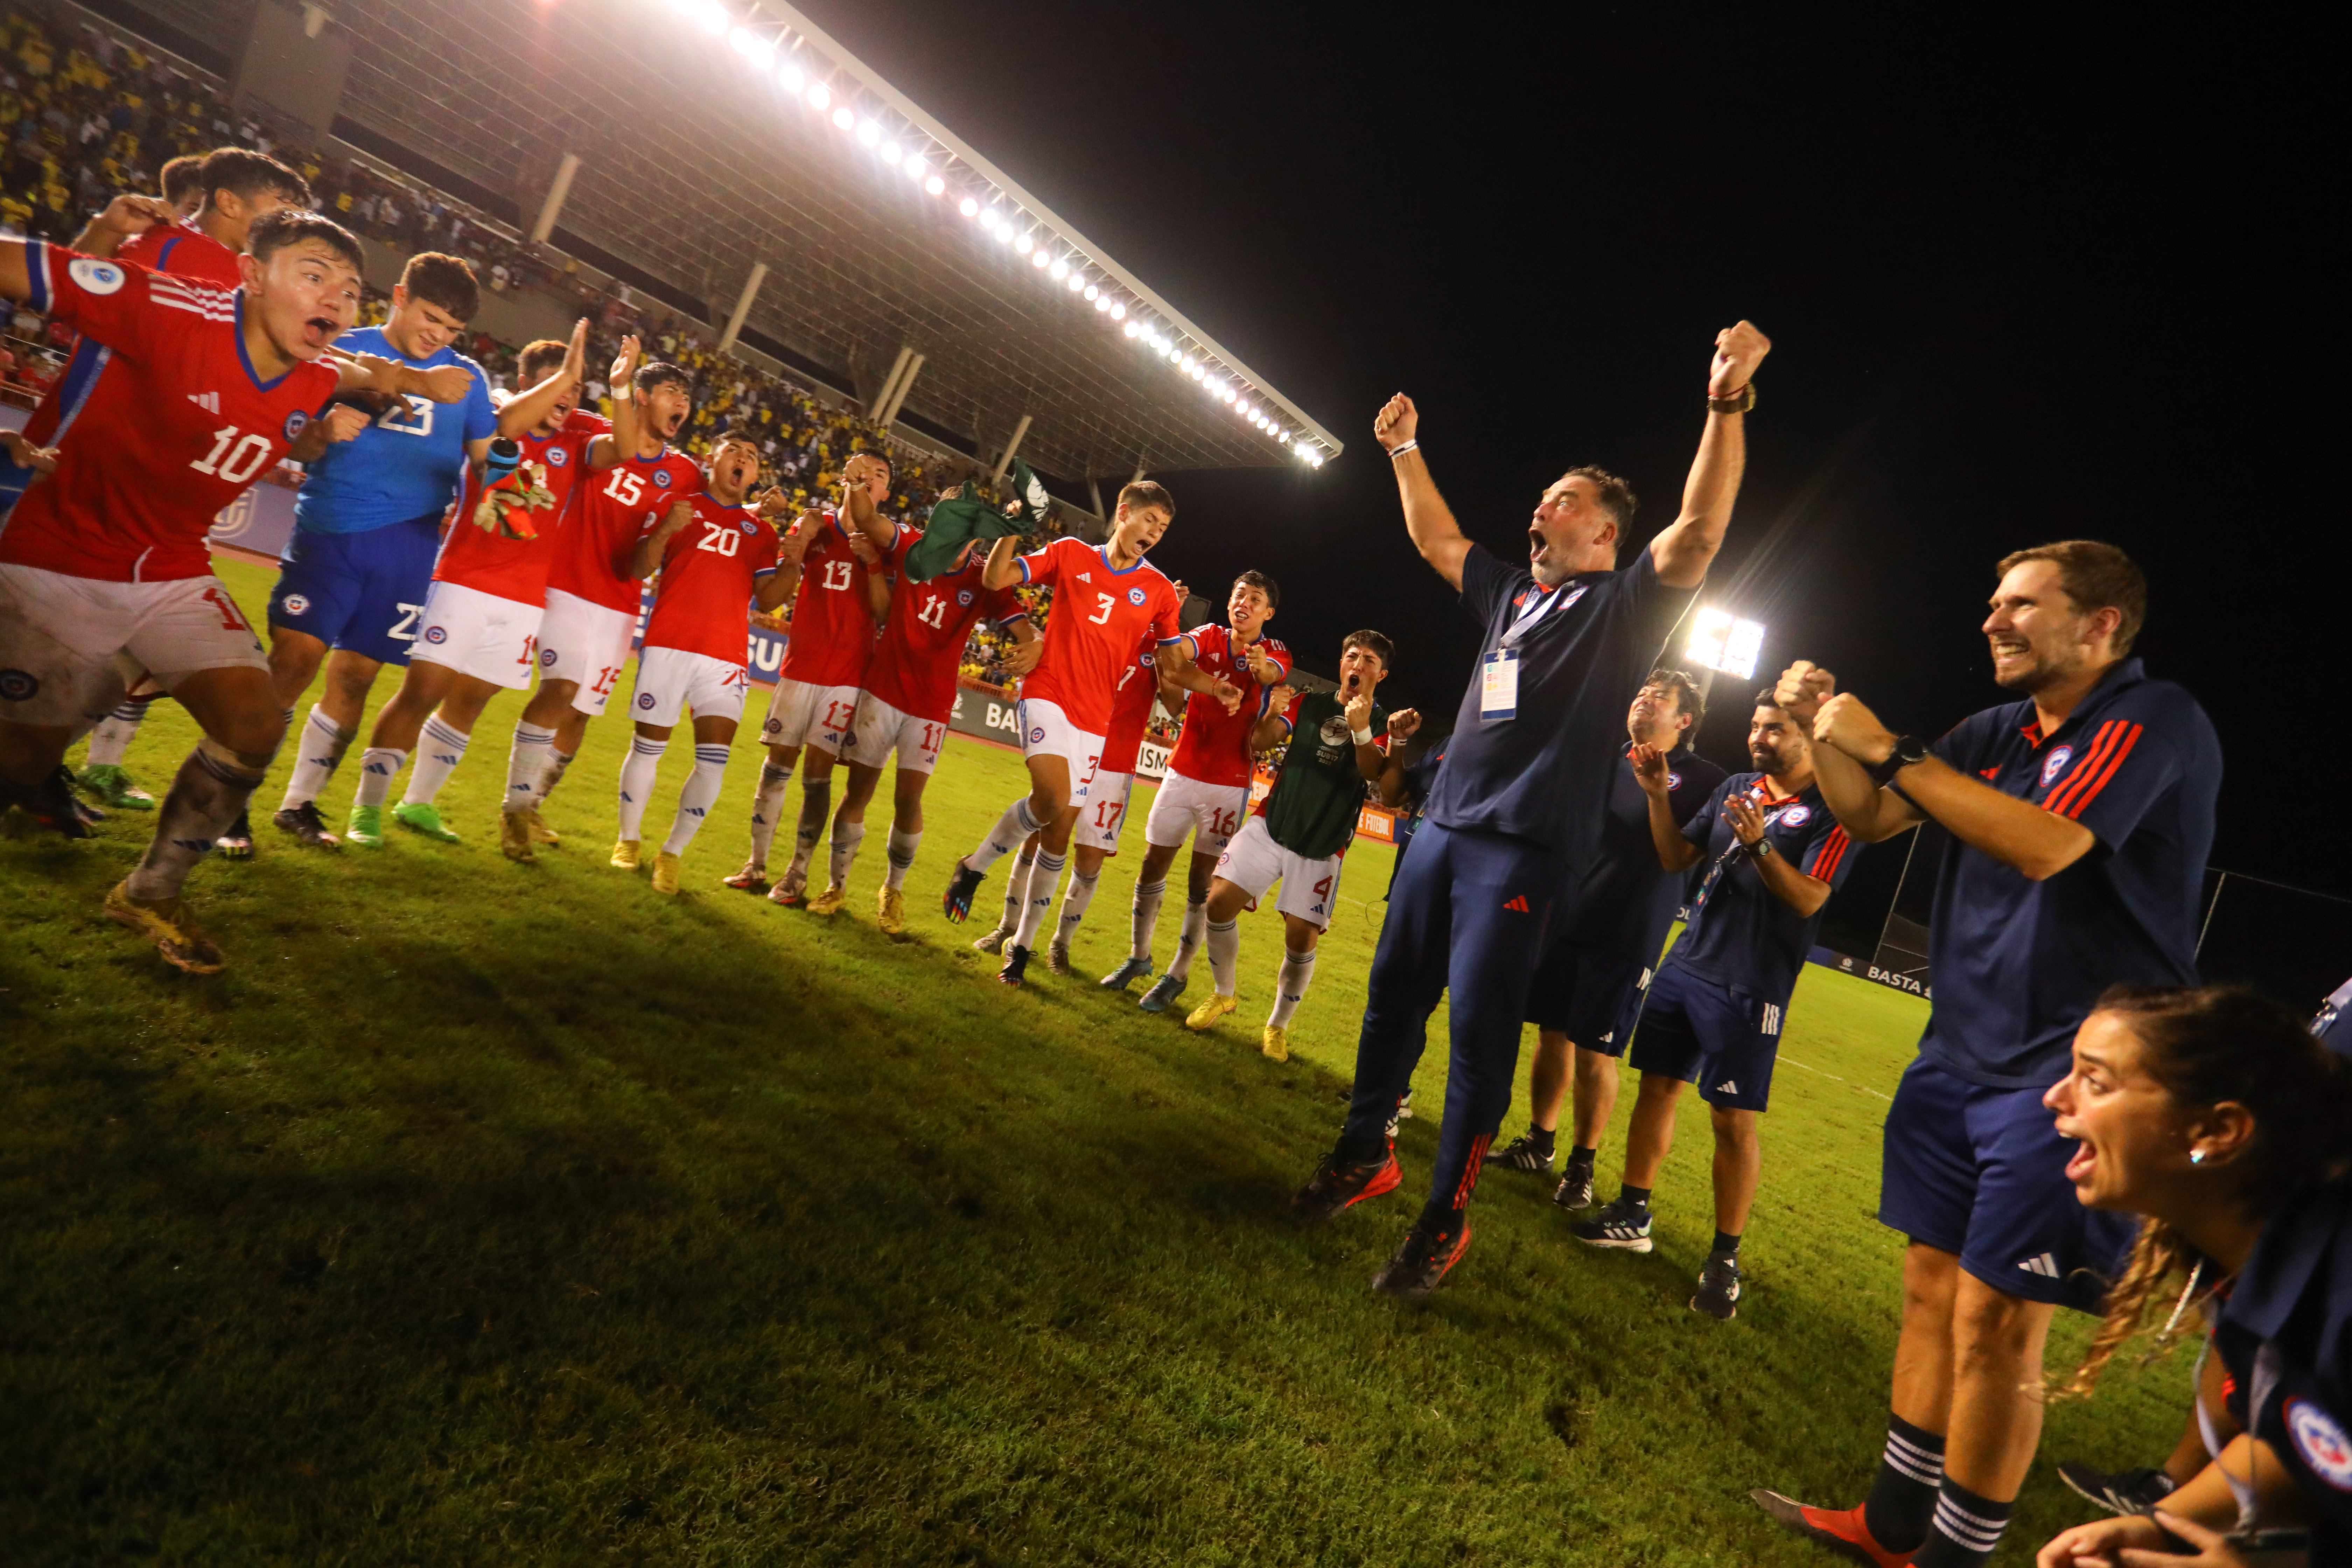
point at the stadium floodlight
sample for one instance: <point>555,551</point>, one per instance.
<point>1118,310</point>
<point>1023,244</point>
<point>713,19</point>
<point>1060,269</point>
<point>1092,290</point>
<point>791,78</point>
<point>916,167</point>
<point>843,118</point>
<point>1077,281</point>
<point>1102,301</point>
<point>1038,259</point>
<point>968,207</point>
<point>934,185</point>
<point>891,153</point>
<point>819,95</point>
<point>1727,643</point>
<point>869,133</point>
<point>751,47</point>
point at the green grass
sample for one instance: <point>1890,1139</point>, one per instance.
<point>485,1214</point>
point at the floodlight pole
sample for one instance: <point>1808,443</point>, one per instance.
<point>743,305</point>
<point>1005,459</point>
<point>906,384</point>
<point>881,398</point>
<point>556,191</point>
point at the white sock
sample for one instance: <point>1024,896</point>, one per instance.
<point>1290,987</point>
<point>1073,905</point>
<point>1187,941</point>
<point>111,739</point>
<point>701,793</point>
<point>525,763</point>
<point>767,809</point>
<point>317,754</point>
<point>205,798</point>
<point>902,856</point>
<point>1224,953</point>
<point>379,765</point>
<point>1147,897</point>
<point>1016,891</point>
<point>553,774</point>
<point>817,808</point>
<point>842,853</point>
<point>440,749</point>
<point>638,776</point>
<point>1016,825</point>
<point>1041,878</point>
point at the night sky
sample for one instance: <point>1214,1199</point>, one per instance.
<point>2022,285</point>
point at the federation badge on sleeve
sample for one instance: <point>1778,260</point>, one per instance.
<point>2319,1437</point>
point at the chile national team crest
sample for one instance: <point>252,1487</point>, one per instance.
<point>2319,1438</point>
<point>661,478</point>
<point>2055,764</point>
<point>557,457</point>
<point>296,423</point>
<point>963,596</point>
<point>1135,595</point>
<point>1796,816</point>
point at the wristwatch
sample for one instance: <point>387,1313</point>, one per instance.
<point>1761,848</point>
<point>1739,402</point>
<point>1908,748</point>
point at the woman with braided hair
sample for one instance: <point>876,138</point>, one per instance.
<point>2219,1118</point>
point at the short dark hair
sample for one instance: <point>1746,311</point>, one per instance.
<point>2096,575</point>
<point>1373,643</point>
<point>1770,697</point>
<point>1148,492</point>
<point>1263,584</point>
<point>738,434</point>
<point>661,373</point>
<point>539,360</point>
<point>1688,699</point>
<point>244,172</point>
<point>1615,494</point>
<point>273,232</point>
<point>182,177</point>
<point>444,281</point>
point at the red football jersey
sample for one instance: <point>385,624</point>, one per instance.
<point>914,668</point>
<point>832,639</point>
<point>702,600</point>
<point>1215,747</point>
<point>1130,711</point>
<point>613,511</point>
<point>1091,633</point>
<point>169,426</point>
<point>488,561</point>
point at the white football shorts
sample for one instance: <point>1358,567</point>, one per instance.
<point>670,680</point>
<point>1253,861</point>
<point>71,647</point>
<point>585,643</point>
<point>1105,813</point>
<point>479,635</point>
<point>1212,813</point>
<point>799,714</point>
<point>1046,732</point>
<point>879,730</point>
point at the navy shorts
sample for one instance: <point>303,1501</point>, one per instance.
<point>1982,1172</point>
<point>1588,994</point>
<point>362,592</point>
<point>1724,1041</point>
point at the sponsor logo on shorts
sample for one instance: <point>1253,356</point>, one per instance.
<point>1796,816</point>
<point>295,604</point>
<point>2040,1263</point>
<point>296,423</point>
<point>2055,764</point>
<point>436,635</point>
<point>2319,1438</point>
<point>94,276</point>
<point>557,457</point>
<point>1728,1086</point>
<point>1135,595</point>
<point>16,685</point>
<point>547,659</point>
<point>644,699</point>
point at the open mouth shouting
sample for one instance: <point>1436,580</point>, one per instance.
<point>318,332</point>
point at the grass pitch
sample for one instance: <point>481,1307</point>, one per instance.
<point>485,1214</point>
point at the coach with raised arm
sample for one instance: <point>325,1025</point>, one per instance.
<point>2079,818</point>
<point>1515,816</point>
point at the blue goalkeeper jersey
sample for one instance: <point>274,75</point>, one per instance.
<point>408,464</point>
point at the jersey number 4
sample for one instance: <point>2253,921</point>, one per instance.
<point>235,456</point>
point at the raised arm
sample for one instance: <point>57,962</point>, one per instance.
<point>1388,785</point>
<point>620,443</point>
<point>1435,532</point>
<point>1676,853</point>
<point>1684,552</point>
<point>1001,571</point>
<point>125,216</point>
<point>525,410</point>
<point>1868,814</point>
<point>858,502</point>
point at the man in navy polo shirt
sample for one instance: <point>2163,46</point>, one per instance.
<point>2080,819</point>
<point>1514,816</point>
<point>1713,1015</point>
<point>1608,937</point>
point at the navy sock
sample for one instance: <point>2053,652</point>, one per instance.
<point>1541,1137</point>
<point>1902,1494</point>
<point>1578,1154</point>
<point>1967,1530</point>
<point>1633,1194</point>
<point>1725,1244</point>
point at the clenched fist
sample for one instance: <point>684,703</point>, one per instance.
<point>1737,352</point>
<point>1801,689</point>
<point>1398,422</point>
<point>1845,724</point>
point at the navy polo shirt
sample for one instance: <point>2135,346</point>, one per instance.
<point>2016,964</point>
<point>2294,1297</point>
<point>1544,774</point>
<point>2334,1024</point>
<point>1627,899</point>
<point>1742,936</point>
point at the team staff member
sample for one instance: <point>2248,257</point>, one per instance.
<point>1585,996</point>
<point>2079,818</point>
<point>1516,810</point>
<point>1714,1011</point>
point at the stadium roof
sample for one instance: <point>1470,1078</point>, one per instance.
<point>714,137</point>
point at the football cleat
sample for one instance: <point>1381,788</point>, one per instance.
<point>541,833</point>
<point>1403,1113</point>
<point>1162,994</point>
<point>114,789</point>
<point>1575,1189</point>
<point>1016,965</point>
<point>665,872</point>
<point>166,921</point>
<point>789,894</point>
<point>1206,1015</point>
<point>1718,1289</point>
<point>1274,1043</point>
<point>994,941</point>
<point>1843,1532</point>
<point>890,913</point>
<point>425,817</point>
<point>1128,971</point>
<point>307,825</point>
<point>957,900</point>
<point>1057,956</point>
<point>1339,1184</point>
<point>236,844</point>
<point>829,902</point>
<point>751,879</point>
<point>2119,1491</point>
<point>1521,1154</point>
<point>514,835</point>
<point>51,803</point>
<point>365,827</point>
<point>1620,1224</point>
<point>627,854</point>
<point>1423,1260</point>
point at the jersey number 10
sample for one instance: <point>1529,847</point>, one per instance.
<point>232,459</point>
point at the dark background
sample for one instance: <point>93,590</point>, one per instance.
<point>2023,282</point>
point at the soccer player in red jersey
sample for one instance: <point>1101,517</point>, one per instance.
<point>911,690</point>
<point>1107,599</point>
<point>1206,791</point>
<point>103,562</point>
<point>715,555</point>
<point>832,642</point>
<point>592,596</point>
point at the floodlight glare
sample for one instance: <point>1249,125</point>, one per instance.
<point>1092,292</point>
<point>819,95</point>
<point>1060,269</point>
<point>1726,643</point>
<point>916,166</point>
<point>1077,280</point>
<point>869,133</point>
<point>751,47</point>
<point>713,20</point>
<point>934,185</point>
<point>1128,328</point>
<point>891,154</point>
<point>793,79</point>
<point>967,206</point>
<point>843,118</point>
<point>1118,310</point>
<point>1039,259</point>
<point>1102,301</point>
